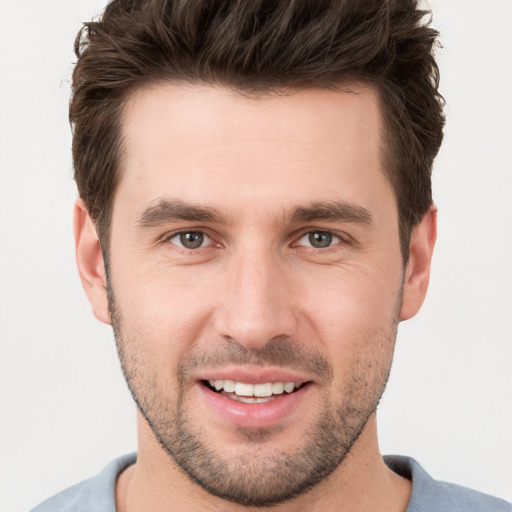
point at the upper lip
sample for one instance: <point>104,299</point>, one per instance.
<point>254,375</point>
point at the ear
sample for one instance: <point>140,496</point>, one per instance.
<point>89,260</point>
<point>417,271</point>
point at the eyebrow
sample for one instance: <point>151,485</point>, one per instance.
<point>331,211</point>
<point>173,210</point>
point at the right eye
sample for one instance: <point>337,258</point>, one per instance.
<point>190,239</point>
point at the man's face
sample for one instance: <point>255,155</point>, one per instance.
<point>255,280</point>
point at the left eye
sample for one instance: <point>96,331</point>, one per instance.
<point>319,239</point>
<point>190,239</point>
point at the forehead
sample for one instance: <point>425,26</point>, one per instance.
<point>204,143</point>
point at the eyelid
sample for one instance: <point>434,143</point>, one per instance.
<point>167,237</point>
<point>336,239</point>
<point>342,236</point>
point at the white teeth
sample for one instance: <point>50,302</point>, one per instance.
<point>263,389</point>
<point>242,389</point>
<point>251,399</point>
<point>277,388</point>
<point>229,386</point>
<point>253,390</point>
<point>289,387</point>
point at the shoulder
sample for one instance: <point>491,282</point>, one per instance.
<point>97,493</point>
<point>429,494</point>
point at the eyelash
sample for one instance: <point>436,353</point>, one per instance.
<point>170,237</point>
<point>336,239</point>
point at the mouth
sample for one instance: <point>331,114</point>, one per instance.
<point>253,393</point>
<point>252,397</point>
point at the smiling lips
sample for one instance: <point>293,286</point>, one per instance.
<point>252,393</point>
<point>255,397</point>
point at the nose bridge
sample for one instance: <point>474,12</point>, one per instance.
<point>256,304</point>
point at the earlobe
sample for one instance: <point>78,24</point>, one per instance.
<point>89,259</point>
<point>417,271</point>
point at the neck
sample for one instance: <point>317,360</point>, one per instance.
<point>361,483</point>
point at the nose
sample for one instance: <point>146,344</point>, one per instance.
<point>256,304</point>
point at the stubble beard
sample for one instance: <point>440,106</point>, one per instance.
<point>256,478</point>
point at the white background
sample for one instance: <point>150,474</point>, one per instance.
<point>65,411</point>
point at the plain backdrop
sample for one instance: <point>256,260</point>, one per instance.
<point>65,410</point>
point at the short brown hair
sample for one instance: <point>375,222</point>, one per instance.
<point>259,46</point>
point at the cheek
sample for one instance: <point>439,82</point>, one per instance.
<point>338,307</point>
<point>351,297</point>
<point>162,314</point>
<point>353,314</point>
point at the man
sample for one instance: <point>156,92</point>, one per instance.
<point>255,218</point>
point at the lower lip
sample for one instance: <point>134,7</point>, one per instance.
<point>254,415</point>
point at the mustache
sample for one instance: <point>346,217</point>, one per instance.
<point>283,353</point>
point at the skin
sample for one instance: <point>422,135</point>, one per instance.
<point>255,284</point>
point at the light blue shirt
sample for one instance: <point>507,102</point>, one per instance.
<point>428,495</point>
